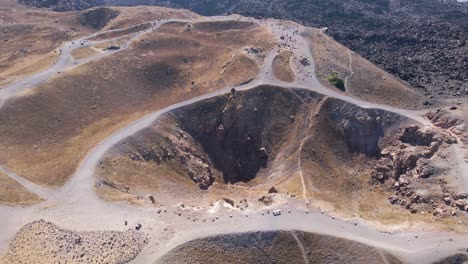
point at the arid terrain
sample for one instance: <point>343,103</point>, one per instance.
<point>276,247</point>
<point>423,42</point>
<point>156,135</point>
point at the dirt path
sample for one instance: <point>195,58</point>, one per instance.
<point>350,66</point>
<point>66,62</point>
<point>36,189</point>
<point>77,206</point>
<point>383,256</point>
<point>301,247</point>
<point>461,163</point>
<point>301,147</point>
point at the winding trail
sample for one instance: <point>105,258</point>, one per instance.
<point>301,247</point>
<point>303,184</point>
<point>66,62</point>
<point>76,205</point>
<point>350,66</point>
<point>301,146</point>
<point>382,256</point>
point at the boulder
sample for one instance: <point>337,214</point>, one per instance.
<point>229,201</point>
<point>460,196</point>
<point>113,47</point>
<point>273,190</point>
<point>267,199</point>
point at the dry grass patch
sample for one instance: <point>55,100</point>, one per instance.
<point>29,37</point>
<point>84,52</point>
<point>33,64</point>
<point>282,67</point>
<point>14,194</point>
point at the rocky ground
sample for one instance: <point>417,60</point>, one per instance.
<point>455,259</point>
<point>406,168</point>
<point>276,247</point>
<point>62,5</point>
<point>44,242</point>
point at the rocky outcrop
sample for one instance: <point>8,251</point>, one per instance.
<point>408,154</point>
<point>453,123</point>
<point>98,18</point>
<point>406,169</point>
<point>413,135</point>
<point>239,131</point>
<point>44,242</point>
<point>170,144</point>
<point>442,119</point>
<point>363,134</point>
<point>267,199</point>
<point>361,128</point>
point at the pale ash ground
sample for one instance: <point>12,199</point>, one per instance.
<point>76,205</point>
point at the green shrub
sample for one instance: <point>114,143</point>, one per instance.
<point>337,82</point>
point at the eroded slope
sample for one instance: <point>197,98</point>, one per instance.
<point>245,143</point>
<point>228,139</point>
<point>276,247</point>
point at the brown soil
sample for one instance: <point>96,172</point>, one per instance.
<point>368,82</point>
<point>131,16</point>
<point>31,36</point>
<point>83,106</point>
<point>276,247</point>
<point>125,32</point>
<point>282,67</point>
<point>13,194</point>
<point>84,52</point>
<point>33,64</point>
<point>29,39</point>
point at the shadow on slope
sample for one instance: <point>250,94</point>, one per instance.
<point>276,247</point>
